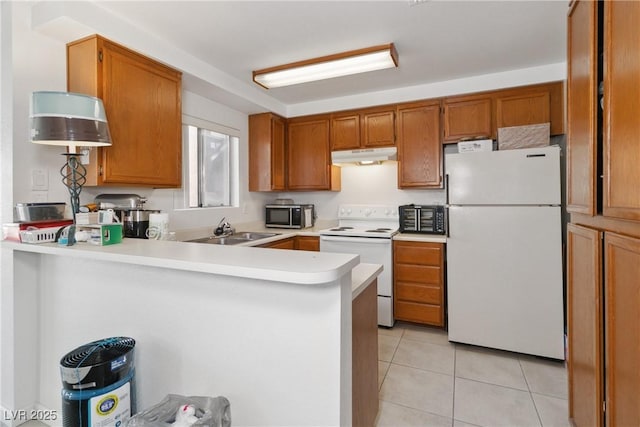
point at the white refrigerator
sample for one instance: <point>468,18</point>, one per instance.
<point>504,250</point>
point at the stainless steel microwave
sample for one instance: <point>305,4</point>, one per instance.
<point>289,216</point>
<point>428,219</point>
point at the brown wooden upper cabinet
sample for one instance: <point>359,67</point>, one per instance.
<point>267,155</point>
<point>621,127</point>
<point>583,182</point>
<point>373,127</point>
<point>419,148</point>
<point>531,105</point>
<point>467,117</point>
<point>309,156</point>
<point>142,99</point>
<point>481,114</point>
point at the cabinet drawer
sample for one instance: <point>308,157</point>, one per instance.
<point>420,313</point>
<point>418,273</point>
<point>418,293</point>
<point>418,253</point>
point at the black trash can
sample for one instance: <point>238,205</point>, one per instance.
<point>98,381</point>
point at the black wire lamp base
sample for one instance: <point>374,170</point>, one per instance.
<point>74,176</point>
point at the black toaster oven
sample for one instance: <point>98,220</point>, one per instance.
<point>427,219</point>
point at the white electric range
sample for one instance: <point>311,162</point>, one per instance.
<point>367,230</point>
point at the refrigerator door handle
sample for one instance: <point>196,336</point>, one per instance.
<point>446,185</point>
<point>536,155</point>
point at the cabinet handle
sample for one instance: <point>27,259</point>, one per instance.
<point>100,56</point>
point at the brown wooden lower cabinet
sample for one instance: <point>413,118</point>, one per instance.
<point>585,322</point>
<point>603,274</point>
<point>308,243</point>
<point>300,243</point>
<point>288,243</point>
<point>418,282</point>
<point>365,357</point>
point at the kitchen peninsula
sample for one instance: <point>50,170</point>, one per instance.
<point>270,330</point>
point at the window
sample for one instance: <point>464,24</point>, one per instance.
<point>212,159</point>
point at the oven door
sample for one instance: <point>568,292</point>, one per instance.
<point>373,251</point>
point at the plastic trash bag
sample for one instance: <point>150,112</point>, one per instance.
<point>211,412</point>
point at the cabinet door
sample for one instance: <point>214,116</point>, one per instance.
<point>288,243</point>
<point>522,109</point>
<point>582,148</point>
<point>467,117</point>
<point>142,99</point>
<point>621,107</point>
<point>584,318</point>
<point>378,129</point>
<point>308,243</point>
<point>622,308</point>
<point>309,159</point>
<point>266,152</point>
<point>345,132</point>
<point>419,148</point>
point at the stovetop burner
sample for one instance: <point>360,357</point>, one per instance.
<point>341,229</point>
<point>378,230</point>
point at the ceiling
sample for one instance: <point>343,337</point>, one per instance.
<point>436,40</point>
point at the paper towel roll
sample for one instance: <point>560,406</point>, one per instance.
<point>158,226</point>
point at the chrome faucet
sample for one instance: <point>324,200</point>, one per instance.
<point>223,228</point>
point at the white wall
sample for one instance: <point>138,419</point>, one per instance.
<point>375,184</point>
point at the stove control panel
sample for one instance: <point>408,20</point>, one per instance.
<point>369,212</point>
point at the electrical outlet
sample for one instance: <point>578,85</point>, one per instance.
<point>84,156</point>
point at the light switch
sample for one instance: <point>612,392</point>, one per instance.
<point>84,156</point>
<point>39,180</point>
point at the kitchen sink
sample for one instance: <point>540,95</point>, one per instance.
<point>250,235</point>
<point>233,239</point>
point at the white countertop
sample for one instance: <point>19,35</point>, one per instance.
<point>304,267</point>
<point>415,237</point>
<point>361,277</point>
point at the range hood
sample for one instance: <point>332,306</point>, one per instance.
<point>364,156</point>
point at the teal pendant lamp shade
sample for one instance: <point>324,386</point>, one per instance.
<point>72,120</point>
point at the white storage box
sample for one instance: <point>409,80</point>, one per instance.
<point>475,145</point>
<point>530,136</point>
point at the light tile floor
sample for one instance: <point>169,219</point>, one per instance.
<point>425,380</point>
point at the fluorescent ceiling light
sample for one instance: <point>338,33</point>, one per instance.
<point>327,67</point>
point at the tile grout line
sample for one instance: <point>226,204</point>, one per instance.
<point>530,394</point>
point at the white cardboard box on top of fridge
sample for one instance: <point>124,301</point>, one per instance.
<point>475,145</point>
<point>529,136</point>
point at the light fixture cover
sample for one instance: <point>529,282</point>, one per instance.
<point>71,119</point>
<point>327,67</point>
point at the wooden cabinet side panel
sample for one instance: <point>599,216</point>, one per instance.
<point>84,76</point>
<point>278,154</point>
<point>467,118</point>
<point>581,107</point>
<point>585,325</point>
<point>622,324</point>
<point>621,107</point>
<point>309,165</point>
<point>419,147</point>
<point>260,152</point>
<point>365,357</point>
